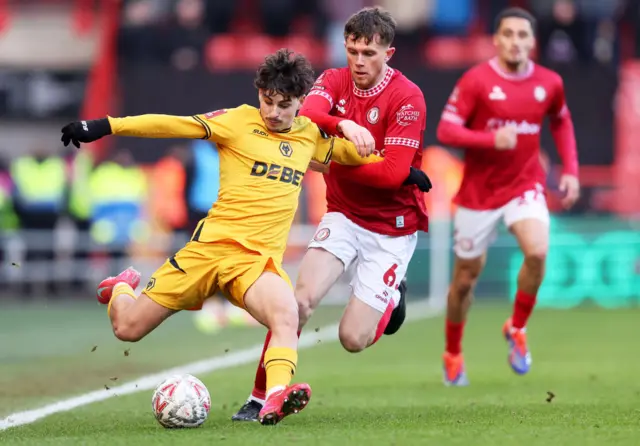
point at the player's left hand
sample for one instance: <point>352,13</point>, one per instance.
<point>419,178</point>
<point>85,131</point>
<point>570,187</point>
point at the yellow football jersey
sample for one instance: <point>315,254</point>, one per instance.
<point>260,172</point>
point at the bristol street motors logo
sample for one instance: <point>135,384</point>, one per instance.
<point>522,127</point>
<point>407,115</point>
<point>373,115</point>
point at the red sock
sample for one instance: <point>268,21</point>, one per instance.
<point>384,321</point>
<point>453,335</point>
<point>522,309</point>
<point>260,383</point>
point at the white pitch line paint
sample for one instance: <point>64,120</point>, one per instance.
<point>148,382</point>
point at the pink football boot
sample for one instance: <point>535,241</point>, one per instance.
<point>129,276</point>
<point>284,403</point>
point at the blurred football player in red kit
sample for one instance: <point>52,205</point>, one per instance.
<point>373,218</point>
<point>495,113</point>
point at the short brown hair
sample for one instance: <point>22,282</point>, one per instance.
<point>517,13</point>
<point>368,22</point>
<point>281,73</point>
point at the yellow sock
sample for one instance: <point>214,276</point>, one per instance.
<point>280,365</point>
<point>120,288</point>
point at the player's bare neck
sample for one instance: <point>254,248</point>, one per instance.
<point>513,68</point>
<point>381,76</point>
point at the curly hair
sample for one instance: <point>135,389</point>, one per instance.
<point>368,22</point>
<point>284,74</point>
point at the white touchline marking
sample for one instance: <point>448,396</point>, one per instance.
<point>148,382</point>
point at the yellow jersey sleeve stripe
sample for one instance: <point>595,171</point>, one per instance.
<point>206,127</point>
<point>329,152</point>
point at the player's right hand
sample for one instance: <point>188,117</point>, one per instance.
<point>506,138</point>
<point>85,131</point>
<point>358,135</point>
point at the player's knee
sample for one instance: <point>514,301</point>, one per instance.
<point>127,331</point>
<point>463,286</point>
<point>353,341</point>
<point>465,280</point>
<point>285,318</point>
<point>536,257</point>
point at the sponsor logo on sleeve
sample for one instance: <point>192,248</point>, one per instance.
<point>407,115</point>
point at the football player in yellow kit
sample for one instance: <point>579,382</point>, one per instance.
<point>238,247</point>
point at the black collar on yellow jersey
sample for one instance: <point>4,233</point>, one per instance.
<point>278,132</point>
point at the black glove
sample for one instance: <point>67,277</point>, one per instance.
<point>419,178</point>
<point>85,131</point>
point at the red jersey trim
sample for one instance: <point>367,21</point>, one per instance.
<point>398,141</point>
<point>373,91</point>
<point>322,94</point>
<point>564,111</point>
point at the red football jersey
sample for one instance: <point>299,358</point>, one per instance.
<point>487,98</point>
<point>394,111</point>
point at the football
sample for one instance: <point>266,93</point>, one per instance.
<point>181,401</point>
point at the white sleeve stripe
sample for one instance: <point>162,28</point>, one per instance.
<point>452,117</point>
<point>323,95</point>
<point>398,141</point>
<point>563,111</point>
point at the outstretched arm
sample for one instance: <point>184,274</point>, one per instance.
<point>217,126</point>
<point>340,150</point>
<point>159,126</point>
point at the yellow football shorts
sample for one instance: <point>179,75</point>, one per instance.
<point>199,270</point>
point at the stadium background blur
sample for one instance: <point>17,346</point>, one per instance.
<point>78,216</point>
<point>68,218</point>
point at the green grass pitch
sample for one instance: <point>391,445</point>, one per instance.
<point>391,394</point>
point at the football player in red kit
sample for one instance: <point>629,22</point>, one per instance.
<point>372,219</point>
<point>496,112</point>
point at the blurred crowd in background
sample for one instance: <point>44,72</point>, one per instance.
<point>76,216</point>
<point>178,31</point>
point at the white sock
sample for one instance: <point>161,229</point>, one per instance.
<point>257,400</point>
<point>275,389</point>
